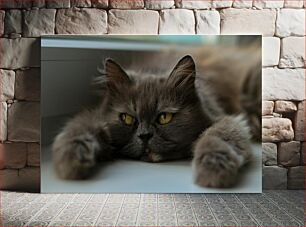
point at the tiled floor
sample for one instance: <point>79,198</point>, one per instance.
<point>271,208</point>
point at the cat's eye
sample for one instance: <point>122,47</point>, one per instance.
<point>126,118</point>
<point>165,118</point>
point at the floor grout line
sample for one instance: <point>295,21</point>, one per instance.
<point>64,207</point>
<point>136,220</point>
<point>194,215</point>
<point>121,205</point>
<point>250,212</point>
<point>272,201</point>
<point>174,203</point>
<point>157,213</point>
<point>100,213</point>
<point>208,205</point>
<point>39,212</point>
<point>79,213</point>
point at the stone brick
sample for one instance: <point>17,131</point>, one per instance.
<point>20,52</point>
<point>56,4</point>
<point>285,107</point>
<point>39,4</point>
<point>283,84</point>
<point>267,108</point>
<point>39,22</point>
<point>178,21</point>
<point>1,157</point>
<point>248,21</point>
<point>261,4</point>
<point>140,22</point>
<point>270,51</point>
<point>293,4</point>
<point>7,81</point>
<point>3,121</point>
<point>221,3</point>
<point>274,177</point>
<point>33,184</point>
<point>126,4</point>
<point>15,4</point>
<point>33,154</point>
<point>2,15</point>
<point>242,4</point>
<point>24,122</point>
<point>303,160</point>
<point>269,154</point>
<point>13,21</point>
<point>159,4</point>
<point>99,3</point>
<point>192,4</point>
<point>80,3</point>
<point>290,22</point>
<point>81,21</point>
<point>289,153</point>
<point>9,179</point>
<point>299,122</point>
<point>26,179</point>
<point>208,22</point>
<point>276,129</point>
<point>296,177</point>
<point>13,155</point>
<point>293,52</point>
<point>27,86</point>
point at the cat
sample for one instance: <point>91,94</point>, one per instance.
<point>161,118</point>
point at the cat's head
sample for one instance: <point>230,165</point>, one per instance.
<point>154,118</point>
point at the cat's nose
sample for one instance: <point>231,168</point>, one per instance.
<point>145,136</point>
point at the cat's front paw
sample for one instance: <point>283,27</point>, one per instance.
<point>215,163</point>
<point>85,153</point>
<point>75,158</point>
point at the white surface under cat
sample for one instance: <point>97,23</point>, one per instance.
<point>126,176</point>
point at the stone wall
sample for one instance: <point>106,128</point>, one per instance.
<point>281,22</point>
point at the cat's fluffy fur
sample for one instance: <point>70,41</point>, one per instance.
<point>201,127</point>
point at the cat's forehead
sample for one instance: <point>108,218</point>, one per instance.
<point>152,96</point>
<point>148,90</point>
<point>147,83</point>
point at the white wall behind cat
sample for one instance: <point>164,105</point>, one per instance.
<point>281,22</point>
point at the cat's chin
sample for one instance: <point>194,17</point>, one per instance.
<point>150,156</point>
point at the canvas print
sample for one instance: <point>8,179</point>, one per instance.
<point>175,114</point>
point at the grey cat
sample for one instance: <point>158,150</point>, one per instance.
<point>155,119</point>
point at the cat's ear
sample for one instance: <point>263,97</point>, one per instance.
<point>183,74</point>
<point>115,74</point>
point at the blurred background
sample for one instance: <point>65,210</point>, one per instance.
<point>69,63</point>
